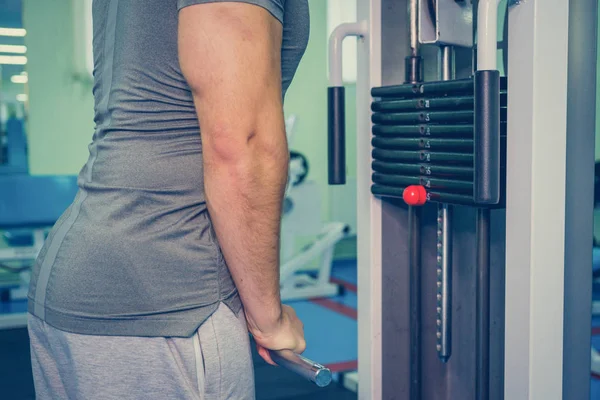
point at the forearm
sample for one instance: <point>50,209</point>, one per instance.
<point>244,194</point>
<point>230,55</point>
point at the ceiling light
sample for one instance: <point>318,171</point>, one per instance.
<point>12,32</point>
<point>14,60</point>
<point>10,48</point>
<point>18,79</point>
<point>22,97</point>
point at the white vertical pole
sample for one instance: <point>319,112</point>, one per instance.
<point>369,210</point>
<point>535,209</point>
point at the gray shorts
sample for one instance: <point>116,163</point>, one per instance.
<point>215,363</point>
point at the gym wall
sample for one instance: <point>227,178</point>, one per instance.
<point>61,108</point>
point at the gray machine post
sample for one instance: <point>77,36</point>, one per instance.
<point>583,23</point>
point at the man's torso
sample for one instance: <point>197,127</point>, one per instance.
<point>136,254</point>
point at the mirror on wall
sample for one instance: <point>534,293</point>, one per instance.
<point>13,89</point>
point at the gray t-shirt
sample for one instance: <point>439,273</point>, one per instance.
<point>135,253</point>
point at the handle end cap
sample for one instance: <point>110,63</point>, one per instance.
<point>323,377</point>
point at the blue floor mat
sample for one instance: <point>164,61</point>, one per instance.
<point>345,271</point>
<point>595,389</point>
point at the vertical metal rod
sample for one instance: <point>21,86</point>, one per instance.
<point>446,63</point>
<point>444,283</point>
<point>444,244</point>
<point>414,223</point>
<point>482,366</point>
<point>413,15</point>
<point>413,63</point>
<point>413,73</point>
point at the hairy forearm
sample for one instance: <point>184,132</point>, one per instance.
<point>244,191</point>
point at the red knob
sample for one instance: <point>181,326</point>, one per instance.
<point>415,195</point>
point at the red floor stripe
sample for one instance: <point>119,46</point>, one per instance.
<point>336,307</point>
<point>595,330</point>
<point>347,285</point>
<point>343,366</point>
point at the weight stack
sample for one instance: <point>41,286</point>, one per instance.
<point>448,137</point>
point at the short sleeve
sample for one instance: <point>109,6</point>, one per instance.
<point>275,7</point>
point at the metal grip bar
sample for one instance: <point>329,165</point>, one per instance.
<point>336,137</point>
<point>487,137</point>
<point>314,372</point>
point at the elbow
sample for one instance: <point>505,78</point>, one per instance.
<point>221,147</point>
<point>226,148</point>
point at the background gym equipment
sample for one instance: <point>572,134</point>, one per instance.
<point>306,273</point>
<point>13,148</point>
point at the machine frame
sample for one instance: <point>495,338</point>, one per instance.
<point>543,349</point>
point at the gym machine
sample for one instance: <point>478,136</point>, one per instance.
<point>475,163</point>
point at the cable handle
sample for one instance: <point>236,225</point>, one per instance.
<point>336,136</point>
<point>308,369</point>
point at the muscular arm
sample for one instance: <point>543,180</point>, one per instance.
<point>230,56</point>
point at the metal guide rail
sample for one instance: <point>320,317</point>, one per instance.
<point>438,140</point>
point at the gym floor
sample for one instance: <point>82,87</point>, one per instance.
<point>337,349</point>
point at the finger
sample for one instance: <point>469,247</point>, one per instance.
<point>264,353</point>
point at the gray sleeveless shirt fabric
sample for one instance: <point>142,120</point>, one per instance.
<point>135,254</point>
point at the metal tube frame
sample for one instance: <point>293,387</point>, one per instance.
<point>369,219</point>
